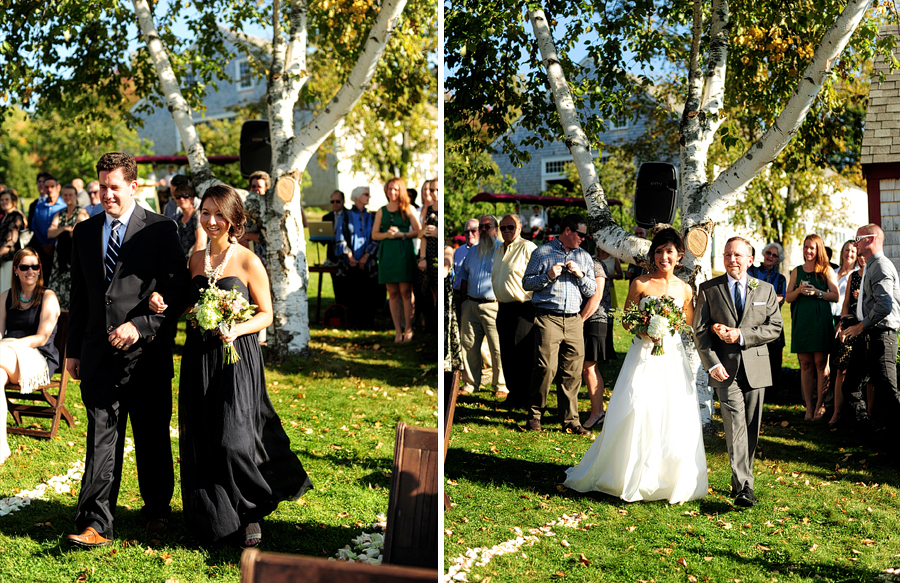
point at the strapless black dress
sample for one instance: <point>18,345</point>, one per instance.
<point>236,459</point>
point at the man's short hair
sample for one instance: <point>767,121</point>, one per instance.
<point>112,160</point>
<point>343,198</point>
<point>180,180</point>
<point>50,177</point>
<point>571,222</point>
<point>260,175</point>
<point>512,216</point>
<point>42,174</point>
<point>742,240</point>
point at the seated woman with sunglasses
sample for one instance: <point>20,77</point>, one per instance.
<point>28,314</point>
<point>189,230</point>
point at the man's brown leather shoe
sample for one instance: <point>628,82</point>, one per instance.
<point>157,525</point>
<point>88,539</point>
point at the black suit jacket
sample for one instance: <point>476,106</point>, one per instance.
<point>150,259</point>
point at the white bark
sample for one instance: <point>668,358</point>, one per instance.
<point>607,234</point>
<point>322,125</point>
<point>291,152</point>
<point>730,183</point>
<point>175,101</point>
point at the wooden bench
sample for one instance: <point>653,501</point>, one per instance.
<point>261,567</point>
<point>451,393</point>
<point>54,394</point>
<point>412,519</point>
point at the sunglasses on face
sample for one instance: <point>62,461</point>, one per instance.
<point>861,237</point>
<point>471,230</point>
<point>28,267</point>
<point>772,254</point>
<point>581,235</point>
<point>184,196</point>
<point>485,227</point>
<point>335,202</point>
<point>507,227</point>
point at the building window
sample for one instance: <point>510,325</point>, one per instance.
<point>244,74</point>
<point>553,171</point>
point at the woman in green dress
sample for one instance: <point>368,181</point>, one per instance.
<point>395,228</point>
<point>811,290</point>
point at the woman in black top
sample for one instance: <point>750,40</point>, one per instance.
<point>28,314</point>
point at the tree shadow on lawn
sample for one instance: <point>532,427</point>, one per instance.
<point>772,561</point>
<point>284,536</point>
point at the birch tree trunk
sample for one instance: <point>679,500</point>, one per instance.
<point>280,209</point>
<point>703,204</point>
<point>181,113</point>
<point>291,152</point>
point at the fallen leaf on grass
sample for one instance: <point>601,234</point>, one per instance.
<point>558,575</point>
<point>564,543</point>
<point>630,528</point>
<point>763,548</point>
<point>707,558</point>
<point>622,511</point>
<point>682,561</point>
<point>813,548</point>
<point>583,560</point>
<point>868,542</point>
<point>855,552</point>
<point>692,579</point>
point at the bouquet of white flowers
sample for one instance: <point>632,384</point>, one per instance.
<point>220,310</point>
<point>658,317</point>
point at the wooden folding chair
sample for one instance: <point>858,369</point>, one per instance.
<point>261,567</point>
<point>53,394</point>
<point>451,392</point>
<point>412,519</point>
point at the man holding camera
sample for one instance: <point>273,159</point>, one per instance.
<point>559,275</point>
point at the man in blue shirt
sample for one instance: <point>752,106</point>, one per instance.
<point>559,275</point>
<point>44,211</point>
<point>479,311</point>
<point>459,255</point>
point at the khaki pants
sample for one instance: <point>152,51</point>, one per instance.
<point>559,345</point>
<point>479,321</point>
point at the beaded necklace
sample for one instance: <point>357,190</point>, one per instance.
<point>213,275</point>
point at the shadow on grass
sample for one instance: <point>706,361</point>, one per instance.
<point>774,561</point>
<point>48,523</point>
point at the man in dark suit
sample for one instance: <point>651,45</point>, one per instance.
<point>736,317</point>
<point>121,351</point>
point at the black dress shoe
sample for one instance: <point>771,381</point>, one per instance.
<point>157,525</point>
<point>532,425</point>
<point>746,498</point>
<point>576,430</point>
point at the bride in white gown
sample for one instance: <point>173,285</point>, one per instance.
<point>651,446</point>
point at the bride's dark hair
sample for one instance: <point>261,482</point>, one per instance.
<point>663,238</point>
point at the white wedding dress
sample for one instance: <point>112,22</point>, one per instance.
<point>651,446</point>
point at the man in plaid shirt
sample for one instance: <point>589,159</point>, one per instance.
<point>559,275</point>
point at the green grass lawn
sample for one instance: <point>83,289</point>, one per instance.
<point>828,511</point>
<point>340,408</point>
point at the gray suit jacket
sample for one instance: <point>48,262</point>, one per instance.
<point>881,294</point>
<point>760,324</point>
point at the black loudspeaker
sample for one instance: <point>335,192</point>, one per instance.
<point>655,194</point>
<point>256,148</point>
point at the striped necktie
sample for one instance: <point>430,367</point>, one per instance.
<point>112,249</point>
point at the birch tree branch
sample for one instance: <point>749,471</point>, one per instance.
<point>295,60</point>
<point>733,181</point>
<point>608,235</point>
<point>714,88</point>
<point>175,101</point>
<point>324,123</point>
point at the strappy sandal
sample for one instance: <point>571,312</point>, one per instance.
<point>252,535</point>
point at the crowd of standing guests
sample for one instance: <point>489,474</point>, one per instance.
<point>844,316</point>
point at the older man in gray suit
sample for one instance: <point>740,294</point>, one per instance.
<point>878,314</point>
<point>736,317</point>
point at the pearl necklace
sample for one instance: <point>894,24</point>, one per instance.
<point>213,275</point>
